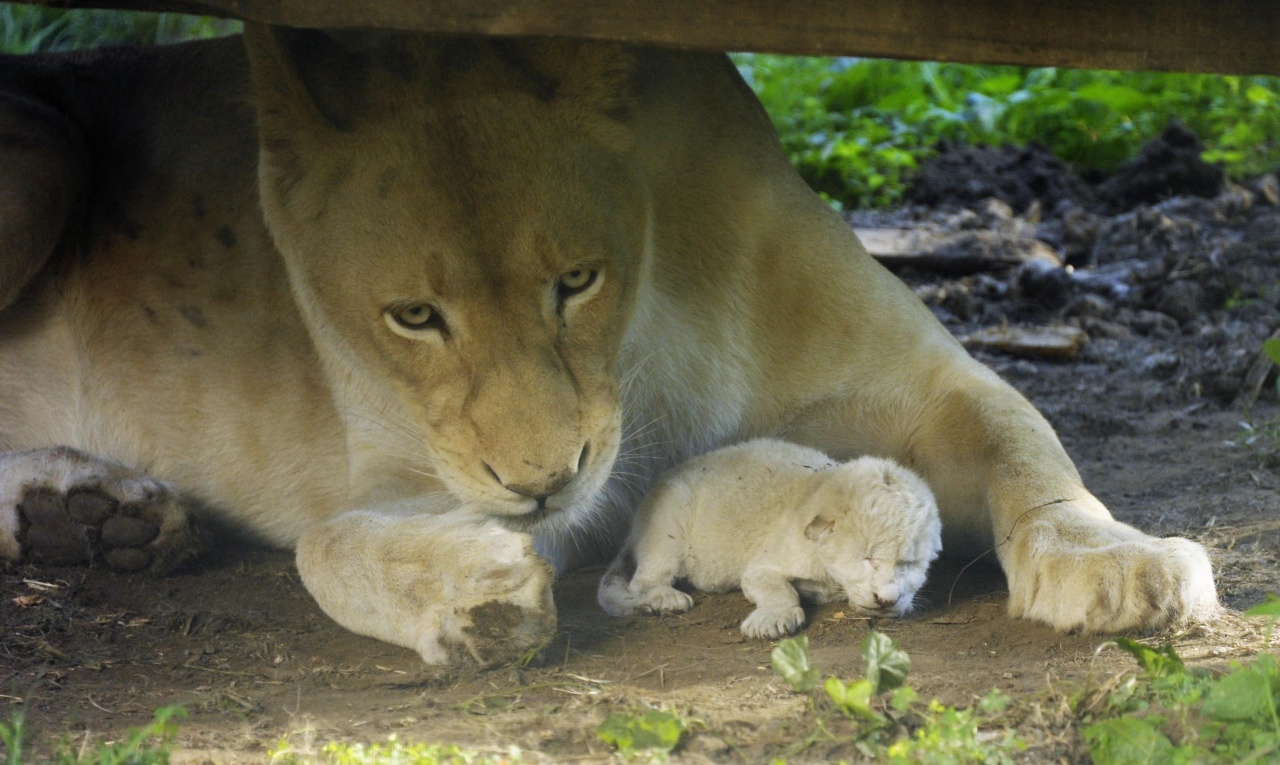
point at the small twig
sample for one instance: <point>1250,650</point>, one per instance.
<point>1005,541</point>
<point>190,665</point>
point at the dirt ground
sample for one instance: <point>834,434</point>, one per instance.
<point>1175,297</point>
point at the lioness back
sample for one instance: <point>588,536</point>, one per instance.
<point>162,332</point>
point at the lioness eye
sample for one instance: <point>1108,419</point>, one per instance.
<point>575,281</point>
<point>417,317</point>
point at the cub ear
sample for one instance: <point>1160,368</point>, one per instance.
<point>819,527</point>
<point>304,80</point>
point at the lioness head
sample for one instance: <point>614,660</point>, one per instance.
<point>461,227</point>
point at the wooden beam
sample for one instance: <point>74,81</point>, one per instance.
<point>1229,36</point>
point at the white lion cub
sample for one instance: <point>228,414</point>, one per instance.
<point>772,518</point>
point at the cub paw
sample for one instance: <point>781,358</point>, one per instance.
<point>1086,574</point>
<point>68,508</point>
<point>664,599</point>
<point>773,623</point>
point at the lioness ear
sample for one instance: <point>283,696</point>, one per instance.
<point>819,527</point>
<point>593,81</point>
<point>304,80</point>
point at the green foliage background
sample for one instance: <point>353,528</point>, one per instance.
<point>856,128</point>
<point>33,29</point>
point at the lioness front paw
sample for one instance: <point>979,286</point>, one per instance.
<point>1082,573</point>
<point>773,623</point>
<point>448,587</point>
<point>66,508</point>
<point>517,613</point>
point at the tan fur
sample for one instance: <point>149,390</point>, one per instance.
<point>219,314</point>
<point>772,517</point>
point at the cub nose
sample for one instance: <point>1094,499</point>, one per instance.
<point>884,603</point>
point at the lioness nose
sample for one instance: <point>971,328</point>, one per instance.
<point>540,487</point>
<point>540,491</point>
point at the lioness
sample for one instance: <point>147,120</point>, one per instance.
<point>407,303</point>
<point>771,518</point>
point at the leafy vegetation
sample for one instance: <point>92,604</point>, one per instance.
<point>1168,715</point>
<point>884,718</point>
<point>391,752</point>
<point>32,29</point>
<point>141,746</point>
<point>856,128</point>
<point>652,734</point>
<point>1176,715</point>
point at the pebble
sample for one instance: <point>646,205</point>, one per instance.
<point>1162,365</point>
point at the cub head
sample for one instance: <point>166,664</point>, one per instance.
<point>878,541</point>
<point>465,237</point>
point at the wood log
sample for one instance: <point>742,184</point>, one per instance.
<point>1052,342</point>
<point>1229,36</point>
<point>954,253</point>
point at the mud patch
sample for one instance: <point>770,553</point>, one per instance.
<point>501,630</point>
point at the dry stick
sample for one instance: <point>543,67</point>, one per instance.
<point>1251,387</point>
<point>1007,537</point>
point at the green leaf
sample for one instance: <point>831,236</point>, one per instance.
<point>1271,347</point>
<point>1270,606</point>
<point>1239,696</point>
<point>630,732</point>
<point>1127,741</point>
<point>1156,663</point>
<point>1118,98</point>
<point>887,664</point>
<point>903,698</point>
<point>790,661</point>
<point>1259,95</point>
<point>853,699</point>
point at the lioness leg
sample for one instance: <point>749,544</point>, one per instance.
<point>444,585</point>
<point>1004,482</point>
<point>62,506</point>
<point>42,180</point>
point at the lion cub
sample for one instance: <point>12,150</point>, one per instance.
<point>772,518</point>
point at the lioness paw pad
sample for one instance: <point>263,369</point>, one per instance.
<point>69,508</point>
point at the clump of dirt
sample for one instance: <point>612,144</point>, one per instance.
<point>1168,166</point>
<point>962,175</point>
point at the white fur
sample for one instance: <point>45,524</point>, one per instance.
<point>772,517</point>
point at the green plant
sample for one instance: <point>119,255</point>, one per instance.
<point>856,128</point>
<point>391,752</point>
<point>30,29</point>
<point>148,745</point>
<point>13,737</point>
<point>1173,714</point>
<point>888,722</point>
<point>653,734</point>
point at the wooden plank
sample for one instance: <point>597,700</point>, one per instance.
<point>1231,36</point>
<point>954,252</point>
